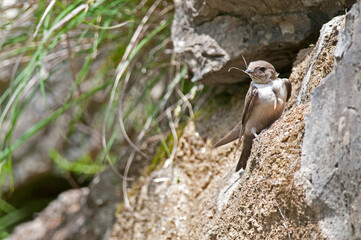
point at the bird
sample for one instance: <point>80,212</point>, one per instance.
<point>264,104</point>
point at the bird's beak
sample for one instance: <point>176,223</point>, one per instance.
<point>248,71</point>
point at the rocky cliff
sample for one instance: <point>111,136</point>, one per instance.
<point>304,174</point>
<point>212,35</point>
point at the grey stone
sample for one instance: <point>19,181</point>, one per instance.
<point>58,220</point>
<point>210,36</point>
<point>86,213</point>
<point>331,161</point>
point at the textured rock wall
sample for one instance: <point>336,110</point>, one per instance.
<point>331,160</point>
<point>211,35</point>
<point>202,198</point>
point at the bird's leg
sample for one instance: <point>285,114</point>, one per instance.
<point>254,132</point>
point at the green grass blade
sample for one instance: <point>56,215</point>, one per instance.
<point>45,122</point>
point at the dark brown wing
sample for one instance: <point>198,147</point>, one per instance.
<point>237,131</point>
<point>251,96</point>
<point>289,88</point>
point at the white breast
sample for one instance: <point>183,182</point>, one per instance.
<point>266,92</point>
<point>271,102</point>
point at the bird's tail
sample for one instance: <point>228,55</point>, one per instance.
<point>246,151</point>
<point>231,136</point>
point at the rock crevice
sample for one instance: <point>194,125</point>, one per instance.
<point>270,30</point>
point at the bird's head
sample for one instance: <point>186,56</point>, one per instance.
<point>261,72</point>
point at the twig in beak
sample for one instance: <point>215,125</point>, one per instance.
<point>244,61</point>
<point>237,69</point>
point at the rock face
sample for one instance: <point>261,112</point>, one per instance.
<point>331,161</point>
<point>211,35</point>
<point>53,222</point>
<point>86,213</point>
<point>202,197</point>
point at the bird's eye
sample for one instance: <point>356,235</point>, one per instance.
<point>262,69</point>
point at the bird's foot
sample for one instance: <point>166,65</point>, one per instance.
<point>254,132</point>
